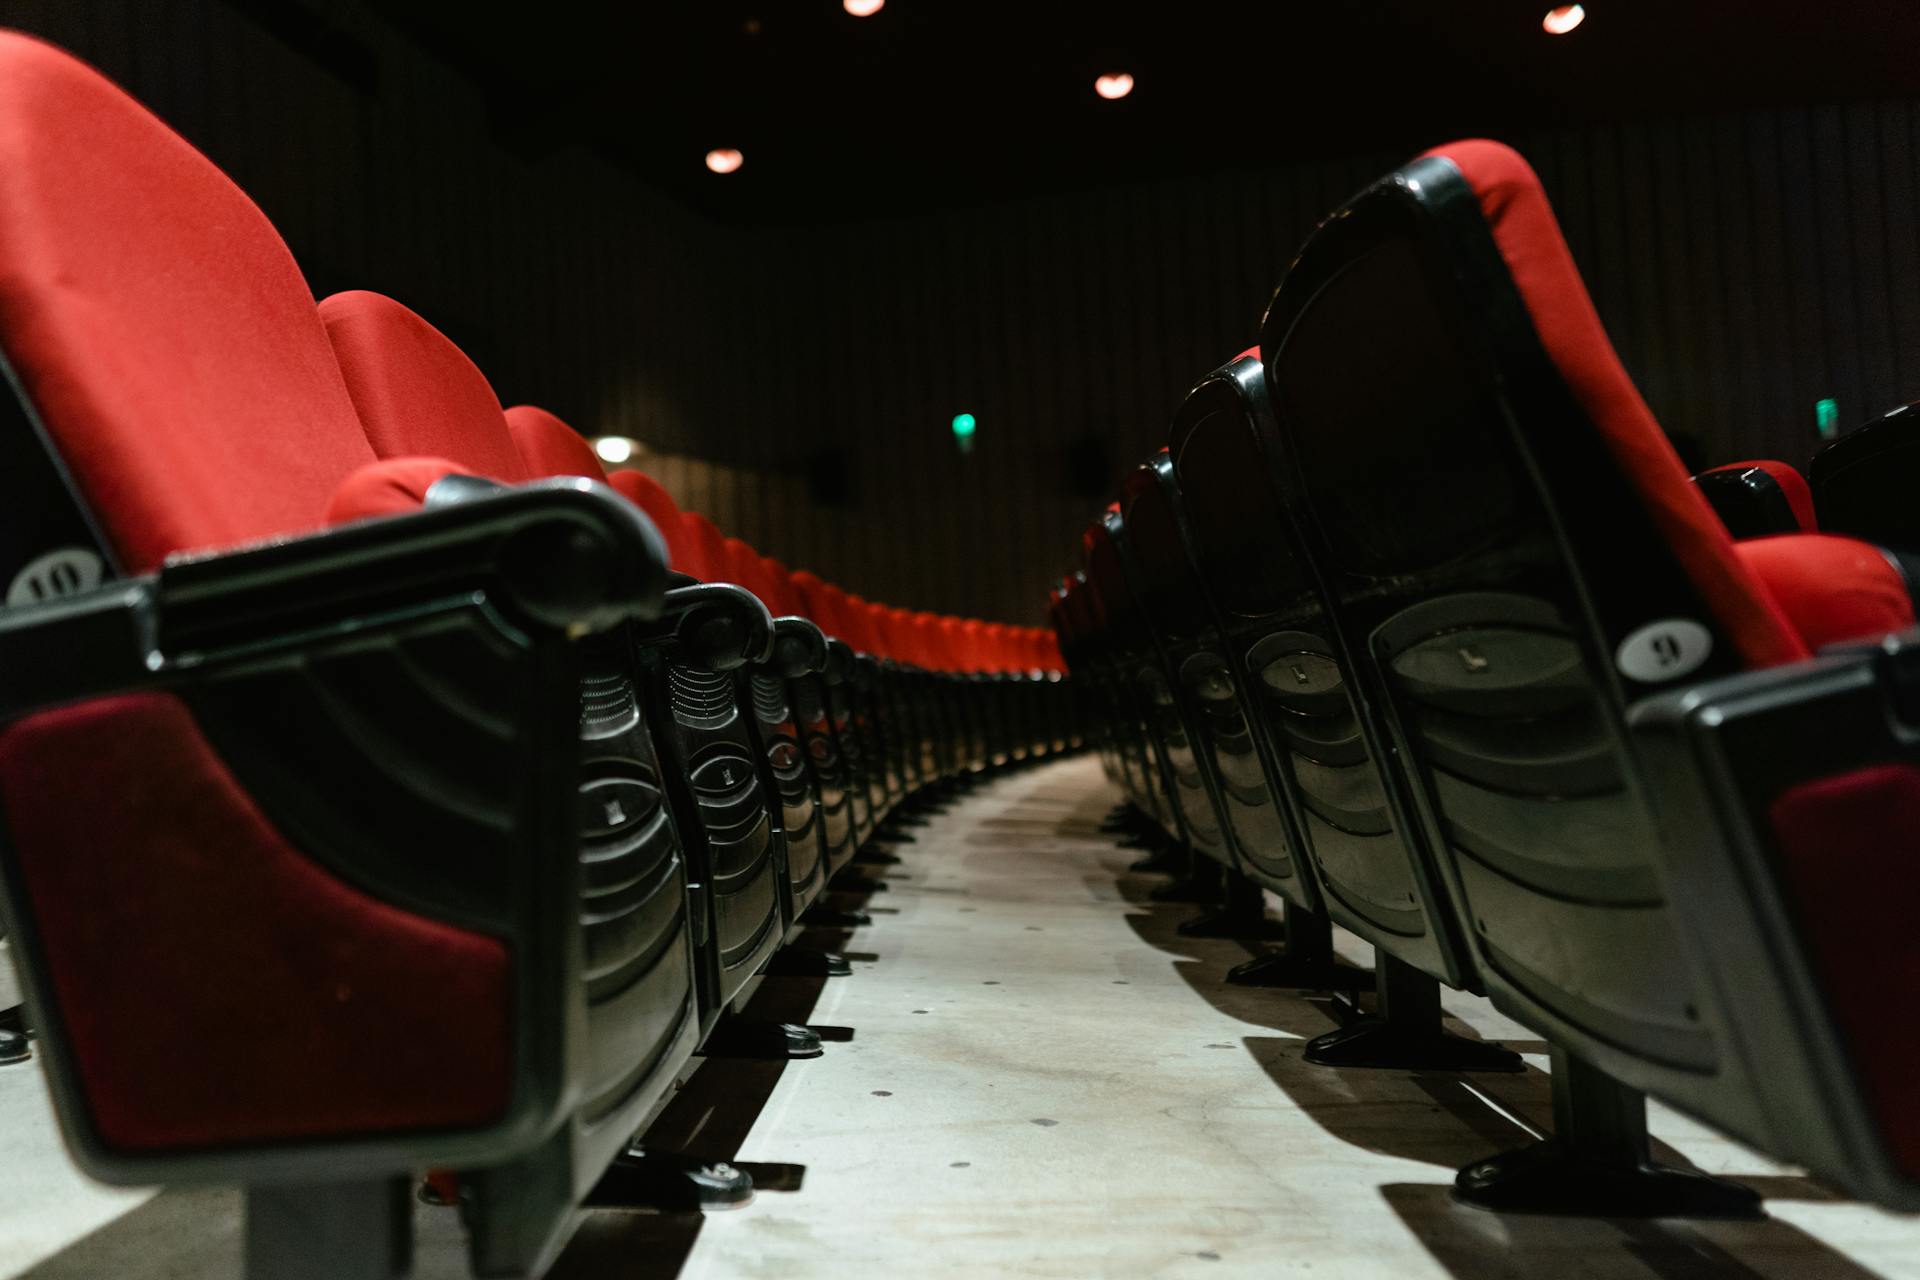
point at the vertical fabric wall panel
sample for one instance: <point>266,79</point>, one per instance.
<point>1746,264</point>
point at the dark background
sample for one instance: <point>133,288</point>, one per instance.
<point>936,215</point>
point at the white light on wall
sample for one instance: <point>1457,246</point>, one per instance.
<point>1115,86</point>
<point>1563,19</point>
<point>724,160</point>
<point>614,449</point>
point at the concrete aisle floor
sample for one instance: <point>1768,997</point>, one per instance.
<point>1043,1079</point>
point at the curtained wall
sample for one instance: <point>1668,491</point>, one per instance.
<point>800,382</point>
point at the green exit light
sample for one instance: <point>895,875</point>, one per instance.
<point>1826,416</point>
<point>963,425</point>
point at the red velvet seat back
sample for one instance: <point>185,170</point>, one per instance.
<point>157,323</point>
<point>903,638</point>
<point>706,548</point>
<point>856,620</point>
<point>973,642</point>
<point>779,583</point>
<point>652,497</point>
<point>549,447</point>
<point>744,569</point>
<point>870,620</point>
<point>933,641</point>
<point>1051,659</point>
<point>417,394</point>
<point>953,642</point>
<point>816,605</point>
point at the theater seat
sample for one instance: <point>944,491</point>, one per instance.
<point>1863,483</point>
<point>1141,691</point>
<point>1222,661</point>
<point>1541,645</point>
<point>1754,499</point>
<point>766,689</point>
<point>417,392</point>
<point>315,763</point>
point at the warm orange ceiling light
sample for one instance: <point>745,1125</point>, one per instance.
<point>1563,19</point>
<point>863,8</point>
<point>1115,86</point>
<point>724,160</point>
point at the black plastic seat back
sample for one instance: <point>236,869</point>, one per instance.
<point>1260,826</point>
<point>1130,676</point>
<point>1141,675</point>
<point>1226,456</point>
<point>1168,622</point>
<point>1501,588</point>
<point>1865,483</point>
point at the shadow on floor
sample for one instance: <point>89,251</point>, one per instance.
<point>189,1233</point>
<point>1473,1244</point>
<point>709,1120</point>
<point>1202,964</point>
<point>1453,1120</point>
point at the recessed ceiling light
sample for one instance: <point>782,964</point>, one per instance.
<point>1563,19</point>
<point>614,449</point>
<point>1111,87</point>
<point>863,8</point>
<point>724,160</point>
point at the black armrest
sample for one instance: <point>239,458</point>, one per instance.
<point>399,699</point>
<point>799,648</point>
<point>1717,759</point>
<point>839,661</point>
<point>559,555</point>
<point>715,625</point>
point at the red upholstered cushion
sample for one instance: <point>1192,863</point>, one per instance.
<point>549,447</point>
<point>217,987</point>
<point>1849,845</point>
<point>417,394</point>
<point>158,323</point>
<point>1831,588</point>
<point>1523,226</point>
<point>388,487</point>
<point>1251,353</point>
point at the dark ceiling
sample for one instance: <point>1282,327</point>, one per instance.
<point>936,102</point>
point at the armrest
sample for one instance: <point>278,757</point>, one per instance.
<point>563,555</point>
<point>715,625</point>
<point>838,664</point>
<point>799,648</point>
<point>1787,842</point>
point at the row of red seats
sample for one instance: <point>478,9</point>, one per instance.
<point>386,789</point>
<point>1419,624</point>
